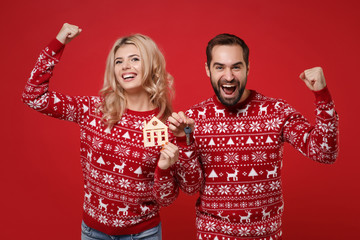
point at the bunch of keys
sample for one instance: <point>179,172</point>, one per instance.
<point>187,131</point>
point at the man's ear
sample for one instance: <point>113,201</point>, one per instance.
<point>248,69</point>
<point>207,69</point>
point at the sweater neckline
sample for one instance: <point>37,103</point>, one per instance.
<point>238,105</point>
<point>142,113</point>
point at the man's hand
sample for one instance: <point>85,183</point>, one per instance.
<point>67,33</point>
<point>178,121</point>
<point>314,78</point>
<point>168,156</point>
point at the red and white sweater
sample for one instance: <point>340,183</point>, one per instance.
<point>124,188</point>
<point>241,152</point>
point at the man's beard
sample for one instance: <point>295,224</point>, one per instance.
<point>228,101</point>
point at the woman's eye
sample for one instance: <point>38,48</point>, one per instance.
<point>118,62</point>
<point>135,59</point>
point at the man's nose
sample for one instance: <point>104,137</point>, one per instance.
<point>228,75</point>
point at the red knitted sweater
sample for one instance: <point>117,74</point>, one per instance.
<point>241,151</point>
<point>124,188</point>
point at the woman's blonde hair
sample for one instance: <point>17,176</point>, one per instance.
<point>156,81</point>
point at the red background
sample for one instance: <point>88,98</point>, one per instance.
<point>41,181</point>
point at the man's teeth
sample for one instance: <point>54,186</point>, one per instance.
<point>228,86</point>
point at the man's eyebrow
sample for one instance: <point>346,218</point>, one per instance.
<point>221,64</point>
<point>238,63</point>
<point>217,63</point>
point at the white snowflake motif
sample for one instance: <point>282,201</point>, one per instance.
<point>241,189</point>
<point>118,223</point>
<point>259,156</point>
<point>139,124</point>
<point>97,142</point>
<point>258,188</point>
<point>96,100</point>
<point>273,155</point>
<point>210,226</point>
<point>193,163</point>
<point>243,204</point>
<point>214,205</point>
<point>239,127</point>
<point>206,158</point>
<point>217,159</point>
<point>231,158</point>
<point>122,150</point>
<point>274,226</point>
<point>228,205</point>
<point>245,157</point>
<point>208,190</point>
<point>257,203</point>
<point>136,154</point>
<point>28,88</point>
<point>94,173</point>
<point>272,124</point>
<point>244,231</point>
<point>260,230</point>
<point>123,121</point>
<point>207,128</point>
<point>292,137</point>
<point>108,147</point>
<point>226,229</point>
<point>275,185</point>
<point>289,110</point>
<point>50,64</point>
<point>108,179</point>
<point>141,186</point>
<point>222,127</point>
<point>124,183</point>
<point>37,102</point>
<point>149,158</point>
<point>255,126</point>
<point>166,186</point>
<point>327,127</point>
<point>224,190</point>
<point>70,112</point>
<point>103,219</point>
<point>91,212</point>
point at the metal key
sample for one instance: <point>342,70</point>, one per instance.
<point>187,131</point>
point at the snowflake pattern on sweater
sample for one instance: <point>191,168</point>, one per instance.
<point>241,152</point>
<point>124,188</point>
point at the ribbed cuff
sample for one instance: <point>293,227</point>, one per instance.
<point>160,173</point>
<point>322,95</point>
<point>55,48</point>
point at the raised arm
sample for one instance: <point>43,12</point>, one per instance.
<point>36,93</point>
<point>318,142</point>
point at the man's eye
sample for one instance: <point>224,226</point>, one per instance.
<point>218,68</point>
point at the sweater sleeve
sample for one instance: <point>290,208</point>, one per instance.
<point>36,93</point>
<point>320,141</point>
<point>188,169</point>
<point>165,187</point>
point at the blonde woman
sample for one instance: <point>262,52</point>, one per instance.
<point>125,183</point>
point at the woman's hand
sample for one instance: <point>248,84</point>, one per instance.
<point>168,156</point>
